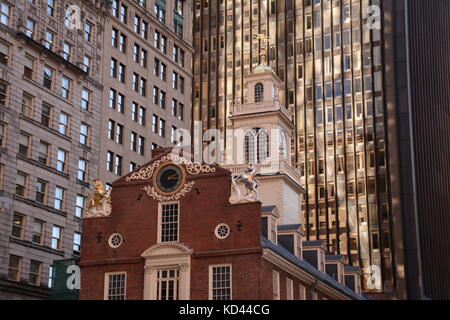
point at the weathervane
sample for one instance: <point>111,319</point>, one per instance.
<point>264,38</point>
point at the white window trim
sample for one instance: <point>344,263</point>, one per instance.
<point>160,205</point>
<point>106,284</point>
<point>210,282</point>
<point>163,256</point>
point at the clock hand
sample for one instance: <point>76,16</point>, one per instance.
<point>174,177</point>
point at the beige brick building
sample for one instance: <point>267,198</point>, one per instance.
<point>50,107</point>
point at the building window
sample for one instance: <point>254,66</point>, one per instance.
<point>109,161</point>
<point>142,116</point>
<point>64,123</point>
<point>61,161</point>
<point>115,38</point>
<point>259,92</point>
<point>173,135</point>
<point>84,134</point>
<point>38,232</point>
<point>59,199</point>
<point>276,285</point>
<point>220,282</point>
<point>41,191</point>
<point>18,226</point>
<point>48,40</point>
<point>123,14</point>
<point>135,82</point>
<point>28,67</point>
<point>112,98</point>
<point>4,53</point>
<point>30,28</point>
<point>162,99</point>
<point>256,145</point>
<point>82,170</point>
<point>118,166</point>
<point>24,145</point>
<point>163,47</point>
<point>67,49</point>
<point>85,99</point>
<point>35,272</point>
<point>143,58</point>
<point>155,123</point>
<point>163,72</point>
<point>123,43</point>
<point>180,111</point>
<point>5,13</point>
<point>169,214</point>
<point>48,77</point>
<point>160,10</point>
<point>111,125</point>
<point>168,284</point>
<point>21,184</point>
<point>2,135</point>
<point>88,32</point>
<point>50,7</point>
<point>175,80</point>
<point>86,64</point>
<point>115,286</point>
<point>162,127</point>
<point>44,151</point>
<point>76,243</point>
<point>51,276</point>
<point>56,242</point>
<point>113,68</point>
<point>46,115</point>
<point>14,268</point>
<point>119,134</point>
<point>143,87</point>
<point>141,145</point>
<point>133,141</point>
<point>79,206</point>
<point>65,87</point>
<point>121,73</point>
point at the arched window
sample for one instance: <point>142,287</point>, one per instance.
<point>249,146</point>
<point>259,92</point>
<point>256,146</point>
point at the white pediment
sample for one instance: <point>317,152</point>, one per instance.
<point>166,250</point>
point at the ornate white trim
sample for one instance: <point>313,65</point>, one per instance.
<point>153,251</point>
<point>193,168</point>
<point>151,192</point>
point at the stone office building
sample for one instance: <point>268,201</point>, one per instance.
<point>147,76</point>
<point>50,104</point>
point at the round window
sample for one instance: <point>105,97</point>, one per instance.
<point>115,240</point>
<point>222,231</point>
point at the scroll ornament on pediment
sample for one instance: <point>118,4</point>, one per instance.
<point>193,168</point>
<point>151,192</point>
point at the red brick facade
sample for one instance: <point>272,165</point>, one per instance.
<point>135,217</point>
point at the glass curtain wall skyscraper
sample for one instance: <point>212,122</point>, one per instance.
<point>330,56</point>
